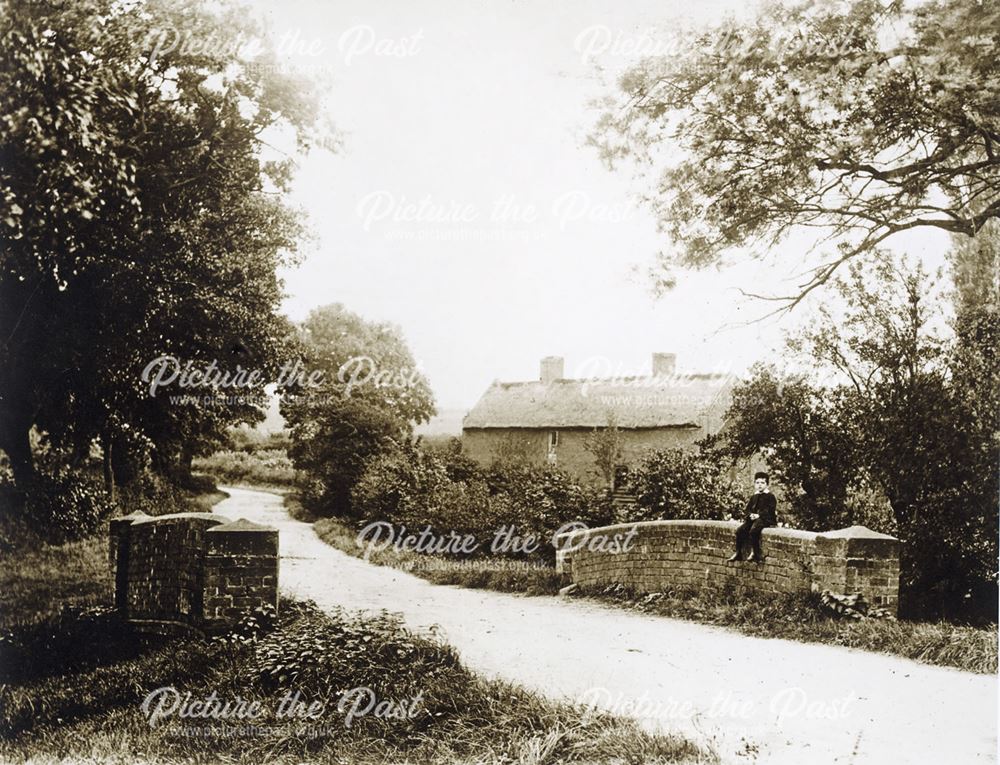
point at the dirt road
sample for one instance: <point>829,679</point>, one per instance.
<point>754,700</point>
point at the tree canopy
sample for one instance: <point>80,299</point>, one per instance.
<point>860,120</point>
<point>365,396</point>
<point>896,426</point>
<point>142,215</point>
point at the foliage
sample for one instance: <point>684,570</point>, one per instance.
<point>135,192</point>
<point>323,655</point>
<point>892,416</point>
<point>458,465</point>
<point>251,627</point>
<point>64,505</point>
<point>806,440</point>
<point>544,499</point>
<point>249,440</point>
<point>866,118</point>
<point>607,445</point>
<point>257,467</point>
<point>366,404</point>
<point>412,487</point>
<point>395,479</point>
<point>673,483</point>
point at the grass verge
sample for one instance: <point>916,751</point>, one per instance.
<point>39,580</point>
<point>801,617</point>
<point>499,574</point>
<point>791,617</point>
<point>73,684</point>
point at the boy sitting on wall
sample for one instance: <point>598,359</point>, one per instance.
<point>759,513</point>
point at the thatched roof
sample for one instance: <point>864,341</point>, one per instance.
<point>637,402</point>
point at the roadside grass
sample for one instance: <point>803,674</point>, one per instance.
<point>268,468</point>
<point>293,504</point>
<point>791,617</point>
<point>36,582</point>
<point>39,580</point>
<point>802,618</point>
<point>72,683</point>
<point>499,574</point>
<point>202,503</point>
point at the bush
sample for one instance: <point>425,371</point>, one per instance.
<point>248,440</point>
<point>948,562</point>
<point>320,655</point>
<point>458,465</point>
<point>414,488</point>
<point>150,494</point>
<point>62,505</point>
<point>398,486</point>
<point>674,484</point>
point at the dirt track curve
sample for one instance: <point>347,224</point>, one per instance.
<point>754,700</point>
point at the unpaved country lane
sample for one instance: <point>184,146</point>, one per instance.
<point>753,699</point>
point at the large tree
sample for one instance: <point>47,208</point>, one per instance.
<point>859,119</point>
<point>808,443</point>
<point>356,395</point>
<point>890,406</point>
<point>142,216</point>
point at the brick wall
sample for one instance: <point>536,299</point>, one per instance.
<point>241,571</point>
<point>191,570</point>
<point>665,554</point>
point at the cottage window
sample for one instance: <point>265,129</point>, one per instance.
<point>553,440</point>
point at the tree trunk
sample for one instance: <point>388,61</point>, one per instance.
<point>16,442</point>
<point>184,466</point>
<point>126,465</point>
<point>109,474</point>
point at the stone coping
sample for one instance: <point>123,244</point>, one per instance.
<point>852,532</point>
<point>175,517</point>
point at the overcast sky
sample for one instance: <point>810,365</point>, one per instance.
<point>533,247</point>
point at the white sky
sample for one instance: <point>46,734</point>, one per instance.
<point>489,107</point>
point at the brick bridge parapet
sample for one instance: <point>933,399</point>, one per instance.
<point>660,555</point>
<point>189,571</point>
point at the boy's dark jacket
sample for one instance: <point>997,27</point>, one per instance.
<point>765,505</point>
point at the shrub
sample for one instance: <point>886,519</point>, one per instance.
<point>62,505</point>
<point>413,487</point>
<point>673,484</point>
<point>458,465</point>
<point>151,494</point>
<point>398,486</point>
<point>320,654</point>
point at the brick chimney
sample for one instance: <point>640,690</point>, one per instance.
<point>664,364</point>
<point>552,369</point>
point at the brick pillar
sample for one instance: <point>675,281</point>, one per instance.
<point>857,559</point>
<point>241,572</point>
<point>118,546</point>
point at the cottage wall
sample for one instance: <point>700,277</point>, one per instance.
<point>571,452</point>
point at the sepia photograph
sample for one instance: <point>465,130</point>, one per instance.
<point>499,382</point>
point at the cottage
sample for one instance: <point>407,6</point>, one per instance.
<point>549,419</point>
